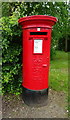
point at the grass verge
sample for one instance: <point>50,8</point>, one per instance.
<point>59,72</point>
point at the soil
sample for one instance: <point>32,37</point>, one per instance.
<point>14,107</point>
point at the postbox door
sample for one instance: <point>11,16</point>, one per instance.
<point>40,62</point>
<point>41,58</point>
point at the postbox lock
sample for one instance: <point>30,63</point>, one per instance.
<point>44,65</point>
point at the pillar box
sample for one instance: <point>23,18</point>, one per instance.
<point>36,43</point>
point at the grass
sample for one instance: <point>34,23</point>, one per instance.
<point>59,72</point>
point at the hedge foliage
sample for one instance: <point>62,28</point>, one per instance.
<point>11,53</point>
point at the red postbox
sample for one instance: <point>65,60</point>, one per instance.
<point>36,56</point>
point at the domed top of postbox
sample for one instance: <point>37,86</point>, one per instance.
<point>37,21</point>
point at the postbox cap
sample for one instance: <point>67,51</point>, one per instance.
<point>37,21</point>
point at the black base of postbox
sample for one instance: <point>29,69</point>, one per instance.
<point>35,98</point>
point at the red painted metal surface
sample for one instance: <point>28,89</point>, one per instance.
<point>35,66</point>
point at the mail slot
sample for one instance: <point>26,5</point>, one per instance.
<point>36,42</point>
<point>38,33</point>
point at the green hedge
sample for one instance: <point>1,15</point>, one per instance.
<point>11,54</point>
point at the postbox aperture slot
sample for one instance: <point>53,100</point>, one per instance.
<point>38,33</point>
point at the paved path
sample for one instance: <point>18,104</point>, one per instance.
<point>14,107</point>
